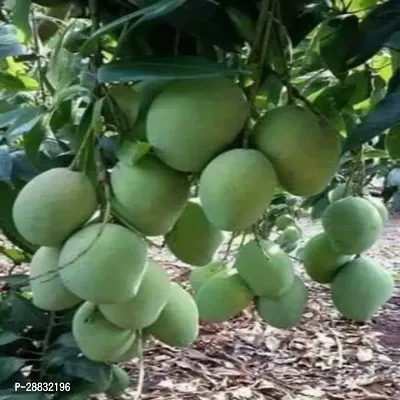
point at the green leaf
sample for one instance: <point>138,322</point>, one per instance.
<point>97,120</point>
<point>63,68</point>
<point>8,337</point>
<point>375,153</point>
<point>23,169</point>
<point>72,92</point>
<point>19,82</point>
<point>243,23</point>
<point>20,122</point>
<point>335,40</point>
<point>10,45</point>
<point>24,313</point>
<point>85,135</point>
<point>156,10</point>
<point>385,114</point>
<point>33,141</point>
<point>88,370</point>
<point>58,356</point>
<point>374,31</point>
<point>271,90</point>
<point>162,68</point>
<point>361,5</point>
<point>21,19</point>
<point>8,366</point>
<point>319,207</point>
<point>392,142</point>
<point>14,254</point>
<point>360,82</point>
<point>67,340</point>
<point>131,152</point>
<point>16,281</point>
<point>5,164</point>
<point>7,197</point>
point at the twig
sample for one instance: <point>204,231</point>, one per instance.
<point>139,387</point>
<point>38,60</point>
<point>94,16</point>
<point>123,221</point>
<point>264,49</point>
<point>242,240</point>
<point>46,342</point>
<point>259,30</point>
<point>339,347</point>
<point>295,258</point>
<point>261,39</point>
<point>82,147</point>
<point>229,248</point>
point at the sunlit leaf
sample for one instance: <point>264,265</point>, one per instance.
<point>21,19</point>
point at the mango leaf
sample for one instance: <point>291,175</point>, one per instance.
<point>392,142</point>
<point>21,19</point>
<point>374,31</point>
<point>243,23</point>
<point>109,148</point>
<point>319,207</point>
<point>5,164</point>
<point>219,30</point>
<point>24,313</point>
<point>67,340</point>
<point>8,366</point>
<point>357,6</point>
<point>394,41</point>
<point>33,141</point>
<point>23,169</point>
<point>360,82</point>
<point>72,92</point>
<point>335,40</point>
<point>20,122</point>
<point>88,370</point>
<point>16,255</point>
<point>97,121</point>
<point>86,146</point>
<point>16,281</point>
<point>162,68</point>
<point>59,355</point>
<point>63,68</point>
<point>10,45</point>
<point>156,10</point>
<point>385,114</point>
<point>375,153</point>
<point>8,337</point>
<point>131,152</point>
<point>7,197</point>
<point>19,82</point>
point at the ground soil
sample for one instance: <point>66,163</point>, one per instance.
<point>324,358</point>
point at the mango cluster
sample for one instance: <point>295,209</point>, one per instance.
<point>102,268</point>
<point>263,275</point>
<point>359,285</point>
<point>194,130</point>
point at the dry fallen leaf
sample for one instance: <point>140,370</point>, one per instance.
<point>364,354</point>
<point>272,343</point>
<point>242,393</point>
<point>313,392</point>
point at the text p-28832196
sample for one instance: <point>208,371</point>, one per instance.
<point>42,387</point>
